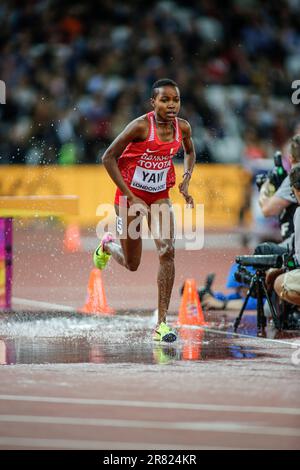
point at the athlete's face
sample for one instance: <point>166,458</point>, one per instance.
<point>166,104</point>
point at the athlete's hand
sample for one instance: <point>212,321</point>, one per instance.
<point>184,189</point>
<point>140,206</point>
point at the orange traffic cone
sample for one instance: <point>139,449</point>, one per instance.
<point>72,241</point>
<point>96,300</point>
<point>190,312</point>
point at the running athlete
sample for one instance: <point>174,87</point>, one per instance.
<point>139,161</point>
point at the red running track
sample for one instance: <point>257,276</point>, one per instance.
<point>213,404</point>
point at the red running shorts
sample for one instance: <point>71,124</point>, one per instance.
<point>148,198</point>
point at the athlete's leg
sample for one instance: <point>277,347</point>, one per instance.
<point>161,224</point>
<point>128,254</point>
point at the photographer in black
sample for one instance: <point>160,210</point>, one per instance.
<point>282,203</point>
<point>287,286</point>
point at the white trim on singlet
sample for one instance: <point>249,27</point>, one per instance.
<point>153,130</point>
<point>177,131</point>
<point>151,133</point>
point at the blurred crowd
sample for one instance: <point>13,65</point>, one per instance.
<point>77,72</point>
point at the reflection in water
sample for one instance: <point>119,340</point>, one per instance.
<point>192,343</point>
<point>164,353</point>
<point>198,346</point>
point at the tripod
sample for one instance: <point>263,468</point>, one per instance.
<point>258,288</point>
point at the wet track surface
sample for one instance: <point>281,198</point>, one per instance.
<point>94,382</point>
<point>73,339</point>
<point>191,345</point>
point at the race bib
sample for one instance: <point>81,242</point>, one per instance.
<point>151,181</point>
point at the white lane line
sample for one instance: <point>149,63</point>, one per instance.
<point>197,426</point>
<point>256,338</point>
<point>40,304</point>
<point>97,445</point>
<point>153,404</point>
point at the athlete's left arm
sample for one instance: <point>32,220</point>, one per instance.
<point>189,160</point>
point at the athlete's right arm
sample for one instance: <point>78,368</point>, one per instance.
<point>135,131</point>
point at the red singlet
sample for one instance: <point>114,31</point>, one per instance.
<point>147,166</point>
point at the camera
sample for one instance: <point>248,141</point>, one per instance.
<point>275,176</point>
<point>243,276</point>
<point>259,263</point>
<point>290,261</point>
<point>257,287</point>
<point>262,262</point>
<point>286,316</point>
